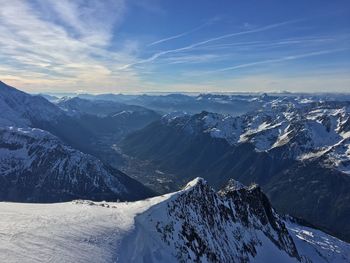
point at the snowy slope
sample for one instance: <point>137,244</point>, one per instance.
<point>21,109</point>
<point>37,166</point>
<point>195,224</point>
<point>318,246</point>
<point>302,130</point>
<point>65,232</point>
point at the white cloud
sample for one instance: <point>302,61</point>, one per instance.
<point>73,53</point>
<point>92,21</point>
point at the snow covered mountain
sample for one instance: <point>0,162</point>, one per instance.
<point>296,149</point>
<point>21,109</point>
<point>304,130</point>
<point>195,224</point>
<point>36,166</point>
<point>291,129</point>
<point>200,225</point>
<point>89,126</point>
<point>36,163</point>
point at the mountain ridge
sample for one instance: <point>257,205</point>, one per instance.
<point>37,167</point>
<point>38,163</point>
<point>195,224</point>
<point>211,145</point>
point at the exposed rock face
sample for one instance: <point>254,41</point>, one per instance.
<point>251,202</point>
<point>234,225</point>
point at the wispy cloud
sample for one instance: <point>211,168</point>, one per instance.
<point>275,43</point>
<point>58,52</point>
<point>211,21</point>
<point>90,21</point>
<point>194,59</point>
<point>276,60</point>
<point>171,51</point>
<point>179,35</point>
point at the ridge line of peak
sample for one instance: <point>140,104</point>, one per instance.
<point>196,181</point>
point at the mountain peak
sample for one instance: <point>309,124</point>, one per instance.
<point>22,109</point>
<point>190,222</point>
<point>11,91</point>
<point>195,182</point>
<point>4,85</point>
<point>233,185</point>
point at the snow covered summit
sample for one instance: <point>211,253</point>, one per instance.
<point>193,225</point>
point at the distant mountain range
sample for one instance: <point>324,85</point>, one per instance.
<point>105,124</point>
<point>89,126</point>
<point>78,106</point>
<point>36,166</point>
<point>297,149</point>
<point>234,105</point>
<point>226,103</point>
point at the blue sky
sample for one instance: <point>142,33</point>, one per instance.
<point>165,45</point>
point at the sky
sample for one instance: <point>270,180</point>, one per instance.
<point>135,46</point>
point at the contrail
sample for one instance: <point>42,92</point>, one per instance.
<point>177,36</point>
<point>286,58</point>
<point>211,21</point>
<point>162,53</point>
